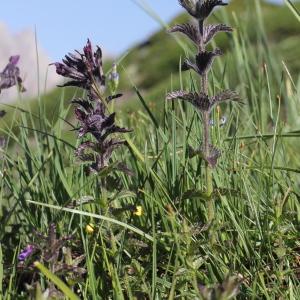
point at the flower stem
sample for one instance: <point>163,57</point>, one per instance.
<point>206,137</point>
<point>209,192</point>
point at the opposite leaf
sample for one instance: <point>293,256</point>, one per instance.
<point>211,30</point>
<point>224,96</point>
<point>200,101</point>
<point>211,158</point>
<point>189,30</point>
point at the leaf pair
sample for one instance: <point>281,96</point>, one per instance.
<point>201,101</point>
<point>193,32</point>
<point>211,158</point>
<point>98,154</point>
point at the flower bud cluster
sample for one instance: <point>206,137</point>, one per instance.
<point>85,70</point>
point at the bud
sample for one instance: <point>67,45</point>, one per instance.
<point>113,80</point>
<point>223,121</point>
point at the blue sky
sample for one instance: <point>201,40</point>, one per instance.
<point>64,25</point>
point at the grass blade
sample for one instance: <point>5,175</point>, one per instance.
<point>59,283</point>
<point>293,9</point>
<point>92,215</point>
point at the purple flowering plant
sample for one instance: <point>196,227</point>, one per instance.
<point>10,76</point>
<point>55,253</point>
<point>202,34</point>
<point>85,70</point>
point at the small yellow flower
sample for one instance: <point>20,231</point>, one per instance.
<point>89,228</point>
<point>138,211</point>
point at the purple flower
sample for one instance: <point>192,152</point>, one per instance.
<point>98,154</point>
<point>26,252</point>
<point>84,69</point>
<point>94,120</point>
<point>101,126</point>
<point>10,76</point>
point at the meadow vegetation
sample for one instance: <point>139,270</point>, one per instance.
<point>133,222</point>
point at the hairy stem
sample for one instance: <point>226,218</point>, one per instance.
<point>206,137</point>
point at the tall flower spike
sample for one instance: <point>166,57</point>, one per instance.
<point>84,69</point>
<point>10,76</point>
<point>201,36</point>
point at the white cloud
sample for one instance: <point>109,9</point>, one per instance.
<point>24,44</point>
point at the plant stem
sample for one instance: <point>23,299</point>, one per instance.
<point>206,137</point>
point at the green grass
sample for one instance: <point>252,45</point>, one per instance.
<point>168,251</point>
